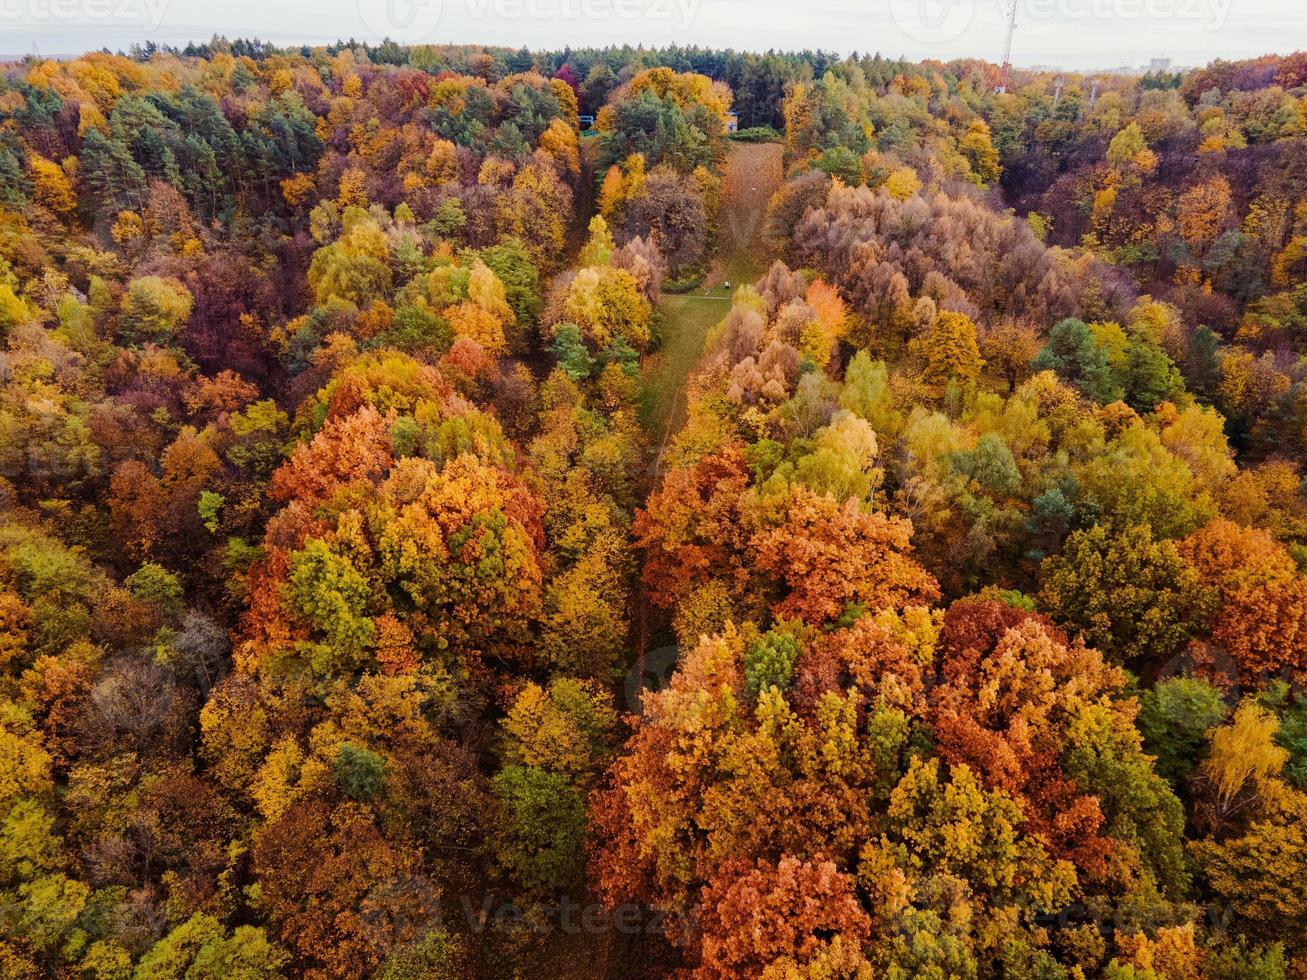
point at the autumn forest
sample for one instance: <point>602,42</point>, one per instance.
<point>468,512</point>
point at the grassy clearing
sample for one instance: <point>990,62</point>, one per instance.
<point>752,174</point>
<point>686,320</point>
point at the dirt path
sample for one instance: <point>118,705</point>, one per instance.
<point>752,174</point>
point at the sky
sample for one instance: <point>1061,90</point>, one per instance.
<point>1071,34</point>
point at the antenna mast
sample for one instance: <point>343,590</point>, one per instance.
<point>1007,47</point>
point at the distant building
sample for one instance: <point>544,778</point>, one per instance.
<point>732,122</point>
<point>1158,65</point>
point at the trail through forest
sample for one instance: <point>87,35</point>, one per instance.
<point>753,172</point>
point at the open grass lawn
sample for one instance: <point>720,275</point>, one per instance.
<point>685,322</point>
<point>752,174</point>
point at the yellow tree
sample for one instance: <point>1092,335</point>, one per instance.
<point>1202,212</point>
<point>1242,755</point>
<point>53,188</point>
<point>613,191</point>
<point>607,303</point>
<point>979,150</point>
<point>1257,871</point>
<point>1129,155</point>
<point>950,349</point>
<point>600,246</point>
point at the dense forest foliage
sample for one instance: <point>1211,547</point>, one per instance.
<point>333,533</point>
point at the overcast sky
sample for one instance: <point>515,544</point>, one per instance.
<point>1064,33</point>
